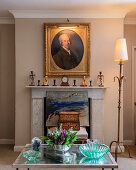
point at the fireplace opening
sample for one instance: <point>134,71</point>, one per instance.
<point>56,102</point>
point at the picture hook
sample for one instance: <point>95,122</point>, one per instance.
<point>67,20</point>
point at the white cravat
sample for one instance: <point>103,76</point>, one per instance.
<point>67,50</point>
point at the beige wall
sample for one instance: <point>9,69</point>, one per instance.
<point>29,56</point>
<point>7,81</point>
<point>130,35</point>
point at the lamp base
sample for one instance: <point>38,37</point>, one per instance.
<point>118,146</point>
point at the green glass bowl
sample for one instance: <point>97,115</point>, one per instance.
<point>31,155</point>
<point>94,150</point>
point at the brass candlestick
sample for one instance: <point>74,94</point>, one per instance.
<point>45,83</point>
<point>84,81</point>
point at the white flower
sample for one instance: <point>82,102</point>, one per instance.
<point>36,139</point>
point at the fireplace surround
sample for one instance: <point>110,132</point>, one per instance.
<point>96,95</point>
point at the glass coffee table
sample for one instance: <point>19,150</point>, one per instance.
<point>72,159</point>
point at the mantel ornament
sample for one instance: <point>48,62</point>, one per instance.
<point>84,81</point>
<point>38,84</point>
<point>100,79</point>
<point>74,82</point>
<point>54,81</point>
<point>90,83</point>
<point>32,78</point>
<point>45,83</point>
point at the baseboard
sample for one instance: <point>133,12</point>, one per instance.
<point>122,149</point>
<point>129,142</point>
<point>18,148</point>
<point>7,141</point>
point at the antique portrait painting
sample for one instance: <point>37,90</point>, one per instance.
<point>67,50</point>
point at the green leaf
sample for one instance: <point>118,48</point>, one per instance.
<point>43,137</point>
<point>67,141</point>
<point>61,126</point>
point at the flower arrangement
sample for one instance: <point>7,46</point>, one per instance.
<point>60,136</point>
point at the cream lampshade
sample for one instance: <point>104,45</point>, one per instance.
<point>121,50</point>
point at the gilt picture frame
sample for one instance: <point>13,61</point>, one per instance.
<point>67,49</point>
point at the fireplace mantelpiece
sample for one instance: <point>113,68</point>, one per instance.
<point>96,94</point>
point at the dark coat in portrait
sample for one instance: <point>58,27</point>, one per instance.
<point>65,60</point>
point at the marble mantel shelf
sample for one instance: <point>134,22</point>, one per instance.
<point>93,91</point>
<point>66,87</point>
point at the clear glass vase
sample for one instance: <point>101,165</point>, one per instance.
<point>61,148</point>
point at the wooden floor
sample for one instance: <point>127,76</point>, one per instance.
<point>8,156</point>
<point>132,150</point>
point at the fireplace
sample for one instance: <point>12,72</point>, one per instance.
<point>96,113</point>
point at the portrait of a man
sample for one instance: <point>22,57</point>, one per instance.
<point>67,49</point>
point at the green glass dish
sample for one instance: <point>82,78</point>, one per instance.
<point>94,150</point>
<point>31,155</point>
